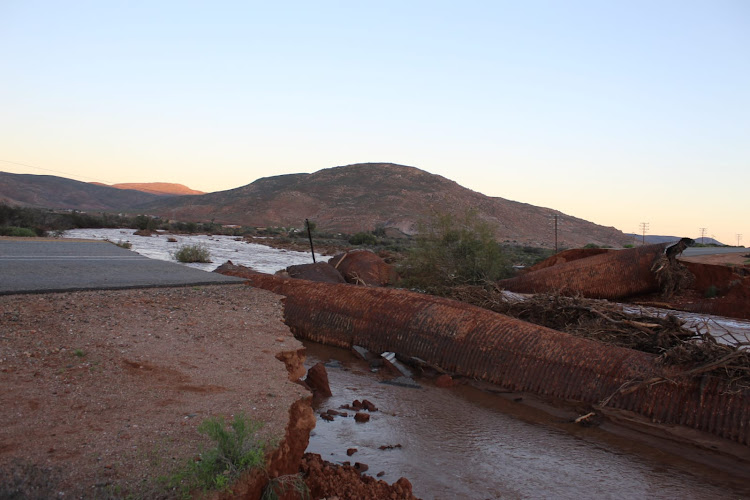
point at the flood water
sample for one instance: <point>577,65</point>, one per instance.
<point>466,443</point>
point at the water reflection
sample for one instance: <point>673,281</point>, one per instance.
<point>465,443</point>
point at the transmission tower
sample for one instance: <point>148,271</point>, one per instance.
<point>739,237</point>
<point>703,234</point>
<point>643,227</point>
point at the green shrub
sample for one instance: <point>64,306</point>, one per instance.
<point>237,448</point>
<point>193,253</point>
<point>711,292</point>
<point>363,239</point>
<point>450,252</point>
<point>17,231</point>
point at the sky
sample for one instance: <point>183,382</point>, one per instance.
<point>615,112</point>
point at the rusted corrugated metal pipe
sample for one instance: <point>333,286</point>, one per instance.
<point>610,275</point>
<point>520,356</point>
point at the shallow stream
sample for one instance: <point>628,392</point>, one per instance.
<point>466,443</point>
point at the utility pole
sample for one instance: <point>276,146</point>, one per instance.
<point>555,233</point>
<point>703,235</point>
<point>309,235</point>
<point>644,227</point>
<point>739,237</point>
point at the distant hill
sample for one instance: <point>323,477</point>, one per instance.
<point>49,191</point>
<point>160,188</point>
<point>365,196</point>
<point>653,238</point>
<point>347,199</point>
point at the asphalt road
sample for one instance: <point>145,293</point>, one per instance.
<point>693,251</point>
<point>34,266</point>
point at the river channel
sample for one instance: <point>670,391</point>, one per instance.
<point>463,442</point>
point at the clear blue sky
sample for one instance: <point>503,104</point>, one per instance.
<point>615,112</point>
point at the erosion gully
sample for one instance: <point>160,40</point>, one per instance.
<point>478,442</point>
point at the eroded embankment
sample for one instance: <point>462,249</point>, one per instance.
<point>477,343</point>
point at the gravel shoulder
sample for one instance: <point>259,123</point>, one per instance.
<point>103,391</point>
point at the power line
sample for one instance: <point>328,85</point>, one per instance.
<point>643,227</point>
<point>56,171</point>
<point>703,234</point>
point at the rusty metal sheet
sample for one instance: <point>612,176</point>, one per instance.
<point>520,356</point>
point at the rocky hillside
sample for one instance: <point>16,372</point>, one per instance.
<point>160,188</point>
<point>365,196</point>
<point>49,191</point>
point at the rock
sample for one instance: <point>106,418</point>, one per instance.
<point>362,417</point>
<point>320,271</point>
<point>380,474</point>
<point>326,417</point>
<point>361,467</point>
<point>230,269</point>
<point>444,381</point>
<point>369,406</point>
<point>317,380</point>
<point>351,451</point>
<point>363,267</point>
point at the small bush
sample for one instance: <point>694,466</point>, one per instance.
<point>711,292</point>
<point>17,231</point>
<point>193,253</point>
<point>237,448</point>
<point>363,239</point>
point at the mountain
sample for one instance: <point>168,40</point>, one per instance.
<point>653,238</point>
<point>160,188</point>
<point>49,191</point>
<point>364,196</point>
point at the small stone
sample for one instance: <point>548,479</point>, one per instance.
<point>361,467</point>
<point>367,405</point>
<point>362,417</point>
<point>380,474</point>
<point>444,381</point>
<point>351,451</point>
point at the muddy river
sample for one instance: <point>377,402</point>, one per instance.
<point>464,442</point>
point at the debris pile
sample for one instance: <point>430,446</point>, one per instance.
<point>692,353</point>
<point>589,318</point>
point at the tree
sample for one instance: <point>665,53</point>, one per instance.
<point>450,252</point>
